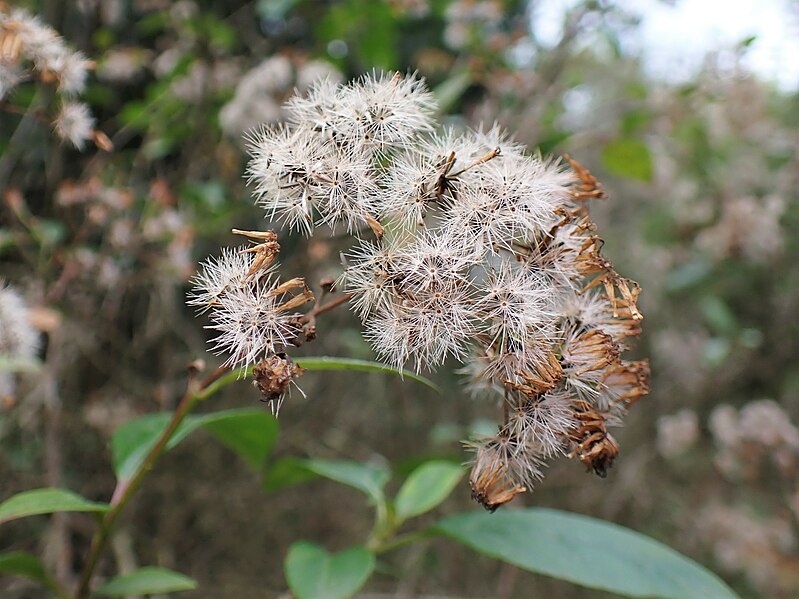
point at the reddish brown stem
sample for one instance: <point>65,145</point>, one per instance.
<point>326,307</point>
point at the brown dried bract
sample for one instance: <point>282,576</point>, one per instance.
<point>548,374</point>
<point>595,447</point>
<point>266,249</point>
<point>594,348</point>
<point>374,224</point>
<point>629,379</point>
<point>588,187</point>
<point>628,291</point>
<point>491,484</point>
<point>10,42</point>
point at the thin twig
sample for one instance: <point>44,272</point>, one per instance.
<point>326,307</point>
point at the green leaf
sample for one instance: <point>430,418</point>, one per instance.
<point>328,363</point>
<point>250,433</point>
<point>20,563</point>
<point>366,478</point>
<point>46,501</point>
<point>313,573</point>
<point>133,440</point>
<point>585,551</point>
<point>286,472</point>
<point>718,315</point>
<point>323,363</point>
<point>426,487</point>
<point>147,581</point>
<point>628,157</point>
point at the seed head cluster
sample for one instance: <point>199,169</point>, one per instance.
<point>467,248</point>
<point>31,50</point>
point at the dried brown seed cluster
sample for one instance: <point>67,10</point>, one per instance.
<point>273,377</point>
<point>564,401</point>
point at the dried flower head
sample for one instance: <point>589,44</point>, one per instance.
<point>254,314</point>
<point>482,253</point>
<point>273,377</point>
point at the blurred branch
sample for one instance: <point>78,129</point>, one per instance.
<point>126,488</point>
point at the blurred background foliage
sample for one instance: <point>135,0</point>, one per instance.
<point>702,174</point>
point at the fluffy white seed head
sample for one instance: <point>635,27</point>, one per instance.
<point>516,307</point>
<point>481,253</point>
<point>318,109</point>
<point>251,324</point>
<point>74,124</point>
<point>409,188</point>
<point>507,455</point>
<point>345,191</point>
<point>384,111</point>
<point>282,170</point>
<point>220,276</point>
<point>370,277</point>
<point>426,328</point>
<point>10,77</point>
<point>544,425</point>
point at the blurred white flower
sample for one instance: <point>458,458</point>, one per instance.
<point>18,339</point>
<point>74,124</point>
<point>677,433</point>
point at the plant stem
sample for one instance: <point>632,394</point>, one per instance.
<point>326,307</point>
<point>126,488</point>
<point>402,540</point>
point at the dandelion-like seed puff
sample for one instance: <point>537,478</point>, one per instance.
<point>468,248</point>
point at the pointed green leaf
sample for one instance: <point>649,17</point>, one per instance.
<point>147,581</point>
<point>20,563</point>
<point>426,487</point>
<point>133,440</point>
<point>585,551</point>
<point>628,157</point>
<point>286,472</point>
<point>250,433</point>
<point>329,363</point>
<point>313,573</point>
<point>46,501</point>
<point>366,478</point>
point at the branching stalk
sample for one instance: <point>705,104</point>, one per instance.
<point>125,489</point>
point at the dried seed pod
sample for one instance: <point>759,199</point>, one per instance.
<point>273,377</point>
<point>491,479</point>
<point>595,447</point>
